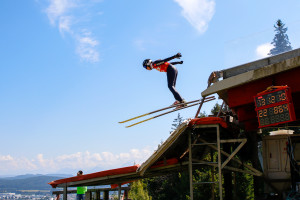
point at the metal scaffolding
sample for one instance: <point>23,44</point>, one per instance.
<point>216,145</point>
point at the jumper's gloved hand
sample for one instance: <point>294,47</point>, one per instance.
<point>176,63</point>
<point>178,55</point>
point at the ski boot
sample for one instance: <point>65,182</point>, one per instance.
<point>181,104</point>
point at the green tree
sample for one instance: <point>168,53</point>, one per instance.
<point>214,111</point>
<point>202,114</point>
<point>139,191</point>
<point>281,40</point>
<point>176,122</point>
<point>244,186</point>
<point>173,186</point>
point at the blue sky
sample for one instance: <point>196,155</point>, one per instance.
<point>71,69</point>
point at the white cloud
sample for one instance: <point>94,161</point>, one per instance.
<point>263,50</point>
<point>9,164</point>
<point>79,160</point>
<point>6,158</point>
<point>64,24</point>
<point>86,48</point>
<point>59,8</point>
<point>198,12</point>
<point>61,13</point>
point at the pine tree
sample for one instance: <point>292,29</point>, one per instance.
<point>176,122</point>
<point>214,111</point>
<point>281,40</point>
<point>202,114</point>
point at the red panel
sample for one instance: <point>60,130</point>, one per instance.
<point>113,186</point>
<point>246,112</point>
<point>208,120</point>
<point>162,163</point>
<point>243,94</point>
<point>251,125</point>
<point>240,98</point>
<point>119,171</point>
<point>290,78</point>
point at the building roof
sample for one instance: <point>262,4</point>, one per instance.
<point>233,71</point>
<point>106,177</point>
<point>240,84</point>
<point>171,156</point>
<point>253,71</point>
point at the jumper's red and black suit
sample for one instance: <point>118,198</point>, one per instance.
<point>164,66</point>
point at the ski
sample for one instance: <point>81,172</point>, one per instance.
<point>206,100</point>
<point>172,106</point>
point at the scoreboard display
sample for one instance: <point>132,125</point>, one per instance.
<point>274,106</point>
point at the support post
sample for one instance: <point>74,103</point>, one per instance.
<point>125,194</point>
<point>65,194</point>
<point>212,176</point>
<point>97,195</point>
<point>106,195</point>
<point>227,175</point>
<point>200,106</point>
<point>119,192</point>
<point>234,187</point>
<point>255,162</point>
<point>219,163</point>
<point>190,166</point>
<point>88,195</point>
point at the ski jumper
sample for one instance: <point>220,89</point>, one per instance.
<point>164,66</point>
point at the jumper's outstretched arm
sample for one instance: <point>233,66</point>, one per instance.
<point>178,55</point>
<point>159,62</point>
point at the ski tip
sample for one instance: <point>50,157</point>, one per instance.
<point>126,121</point>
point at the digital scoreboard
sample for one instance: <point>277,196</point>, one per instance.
<point>274,106</point>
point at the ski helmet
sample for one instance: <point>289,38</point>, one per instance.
<point>147,63</point>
